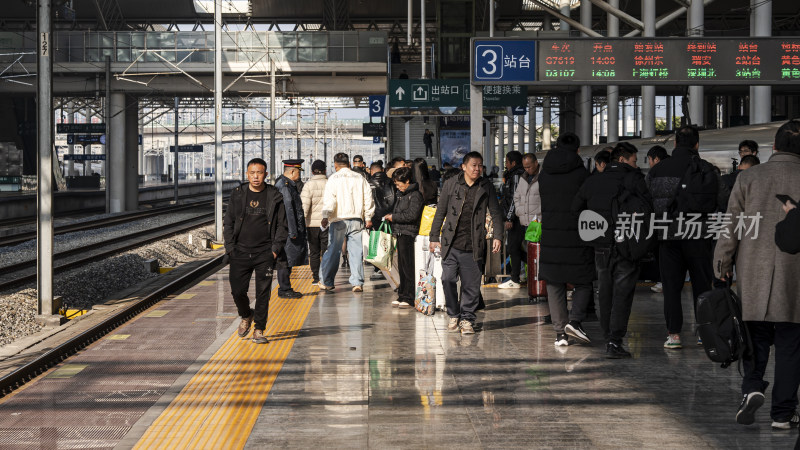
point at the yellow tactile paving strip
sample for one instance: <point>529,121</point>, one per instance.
<point>221,403</point>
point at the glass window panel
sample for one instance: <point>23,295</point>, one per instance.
<point>350,54</point>
<point>336,39</point>
<point>319,54</point>
<point>107,40</point>
<point>350,39</point>
<point>273,40</point>
<point>305,39</point>
<point>287,39</point>
<point>366,54</point>
<point>137,39</point>
<point>228,40</point>
<point>290,54</point>
<point>335,54</point>
<point>304,54</point>
<point>320,39</point>
<point>92,55</point>
<point>124,55</point>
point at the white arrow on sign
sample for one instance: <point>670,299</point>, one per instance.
<point>400,91</point>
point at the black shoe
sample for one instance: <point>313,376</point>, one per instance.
<point>290,294</point>
<point>575,330</point>
<point>546,320</point>
<point>614,351</point>
<point>747,410</point>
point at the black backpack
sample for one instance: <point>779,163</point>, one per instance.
<point>698,189</point>
<point>628,201</point>
<point>720,326</point>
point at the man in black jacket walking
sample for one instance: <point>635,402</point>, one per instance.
<point>296,249</point>
<point>462,240</point>
<point>683,249</point>
<point>255,233</point>
<point>565,258</point>
<point>616,274</point>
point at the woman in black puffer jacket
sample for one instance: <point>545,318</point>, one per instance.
<point>405,225</point>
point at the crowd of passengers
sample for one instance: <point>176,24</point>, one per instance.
<point>326,216</point>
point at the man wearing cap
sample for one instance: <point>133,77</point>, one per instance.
<point>295,251</point>
<point>360,167</point>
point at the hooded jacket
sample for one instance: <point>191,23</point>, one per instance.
<point>565,258</point>
<point>450,206</point>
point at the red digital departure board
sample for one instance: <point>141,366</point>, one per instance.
<point>659,61</point>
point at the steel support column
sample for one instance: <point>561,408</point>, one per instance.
<point>131,153</point>
<point>760,96</point>
<point>612,91</point>
<point>71,147</point>
<point>649,92</point>
<point>44,169</point>
<point>218,120</point>
<point>695,26</point>
<point>422,43</point>
<point>177,158</point>
<point>585,109</point>
<point>531,124</point>
<point>476,119</point>
<point>244,162</point>
<point>273,165</point>
<point>511,131</point>
<point>115,150</point>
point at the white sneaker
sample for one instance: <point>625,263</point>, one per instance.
<point>395,303</point>
<point>510,284</point>
<point>562,340</point>
<point>658,287</point>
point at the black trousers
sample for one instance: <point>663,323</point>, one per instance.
<point>242,266</point>
<point>317,244</point>
<point>786,338</point>
<point>515,247</point>
<point>284,280</point>
<point>616,277</point>
<point>429,149</point>
<point>405,265</point>
<point>459,264</point>
<point>675,258</point>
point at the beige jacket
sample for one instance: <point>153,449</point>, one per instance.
<point>768,280</point>
<point>347,196</point>
<point>312,200</point>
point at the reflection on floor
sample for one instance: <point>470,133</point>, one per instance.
<point>365,375</point>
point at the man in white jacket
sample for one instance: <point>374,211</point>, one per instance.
<point>347,206</point>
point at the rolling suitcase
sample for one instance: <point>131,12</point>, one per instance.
<point>536,287</point>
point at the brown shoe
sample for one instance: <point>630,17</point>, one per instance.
<point>358,289</point>
<point>259,338</point>
<point>244,326</point>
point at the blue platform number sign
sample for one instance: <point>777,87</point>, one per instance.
<point>377,106</point>
<point>376,139</point>
<point>504,61</point>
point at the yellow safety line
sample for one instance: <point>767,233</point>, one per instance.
<point>219,406</point>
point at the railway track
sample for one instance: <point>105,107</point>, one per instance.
<point>18,238</point>
<point>41,363</point>
<point>25,272</point>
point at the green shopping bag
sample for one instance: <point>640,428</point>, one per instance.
<point>381,247</point>
<point>534,232</point>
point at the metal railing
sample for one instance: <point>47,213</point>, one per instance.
<point>198,46</point>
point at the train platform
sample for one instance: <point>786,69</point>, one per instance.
<point>345,370</point>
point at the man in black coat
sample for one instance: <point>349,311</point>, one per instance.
<point>565,258</point>
<point>678,253</point>
<point>464,202</point>
<point>255,233</point>
<point>616,274</point>
<point>296,249</point>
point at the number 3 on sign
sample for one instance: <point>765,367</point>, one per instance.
<point>489,62</point>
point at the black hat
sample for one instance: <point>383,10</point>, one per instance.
<point>295,163</point>
<point>318,166</point>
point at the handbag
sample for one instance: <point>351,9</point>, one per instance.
<point>425,296</point>
<point>381,247</point>
<point>426,222</point>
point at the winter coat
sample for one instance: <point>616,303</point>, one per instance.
<point>234,216</point>
<point>787,233</point>
<point>527,201</point>
<point>663,180</point>
<point>768,280</point>
<point>598,191</point>
<point>296,249</point>
<point>311,196</point>
<point>407,212</point>
<point>347,196</point>
<point>450,206</point>
<point>383,192</point>
<point>511,178</point>
<point>431,192</point>
<point>565,258</point>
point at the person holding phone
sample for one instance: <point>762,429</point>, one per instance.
<point>767,279</point>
